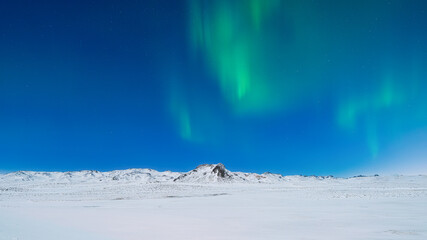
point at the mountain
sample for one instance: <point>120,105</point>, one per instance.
<point>218,173</point>
<point>206,173</point>
<point>139,175</point>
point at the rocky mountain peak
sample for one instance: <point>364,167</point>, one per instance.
<point>220,171</point>
<point>206,173</point>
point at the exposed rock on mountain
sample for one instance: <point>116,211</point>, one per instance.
<point>207,173</point>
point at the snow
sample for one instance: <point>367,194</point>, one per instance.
<point>206,204</point>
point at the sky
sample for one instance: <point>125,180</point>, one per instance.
<point>294,87</point>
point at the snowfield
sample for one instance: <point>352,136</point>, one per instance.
<point>209,202</point>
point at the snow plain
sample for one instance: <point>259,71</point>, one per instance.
<point>90,205</point>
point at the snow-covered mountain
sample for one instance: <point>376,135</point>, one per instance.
<point>211,173</point>
<point>206,173</point>
<point>141,175</point>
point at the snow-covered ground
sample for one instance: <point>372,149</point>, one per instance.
<point>209,202</point>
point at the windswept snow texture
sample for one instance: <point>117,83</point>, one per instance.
<point>209,202</point>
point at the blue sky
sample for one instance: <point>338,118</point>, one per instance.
<point>313,87</point>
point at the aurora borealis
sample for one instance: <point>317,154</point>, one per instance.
<point>297,87</point>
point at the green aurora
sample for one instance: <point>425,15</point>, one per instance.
<point>271,57</point>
